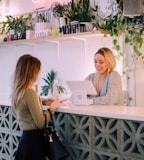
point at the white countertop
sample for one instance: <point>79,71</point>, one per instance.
<point>119,112</point>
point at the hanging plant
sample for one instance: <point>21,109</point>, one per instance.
<point>131,28</point>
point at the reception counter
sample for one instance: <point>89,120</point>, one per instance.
<point>119,112</point>
<point>89,132</point>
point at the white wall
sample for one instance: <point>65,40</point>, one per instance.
<point>139,82</point>
<point>20,6</point>
<point>15,7</point>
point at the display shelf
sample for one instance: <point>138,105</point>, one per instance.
<point>80,36</point>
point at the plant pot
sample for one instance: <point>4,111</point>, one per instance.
<point>86,27</point>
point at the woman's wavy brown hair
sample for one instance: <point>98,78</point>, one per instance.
<point>26,73</point>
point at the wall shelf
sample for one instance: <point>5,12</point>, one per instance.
<point>78,36</point>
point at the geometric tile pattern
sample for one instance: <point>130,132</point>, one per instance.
<point>132,136</point>
<point>9,133</point>
<point>106,135</point>
<point>85,137</point>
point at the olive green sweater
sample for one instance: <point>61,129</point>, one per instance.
<point>29,111</point>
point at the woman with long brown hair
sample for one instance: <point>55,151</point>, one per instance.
<point>28,108</point>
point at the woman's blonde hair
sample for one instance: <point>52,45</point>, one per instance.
<point>26,73</point>
<point>109,58</point>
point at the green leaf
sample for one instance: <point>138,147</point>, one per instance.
<point>114,41</point>
<point>117,47</point>
<point>61,89</point>
<point>49,80</point>
<point>127,40</point>
<point>138,53</point>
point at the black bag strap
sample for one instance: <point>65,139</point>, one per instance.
<point>45,121</point>
<point>51,122</point>
<point>51,117</point>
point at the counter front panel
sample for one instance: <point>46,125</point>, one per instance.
<point>87,137</point>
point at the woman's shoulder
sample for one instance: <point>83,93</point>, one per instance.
<point>29,92</point>
<point>91,76</point>
<point>115,75</point>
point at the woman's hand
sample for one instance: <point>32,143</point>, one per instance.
<point>54,105</point>
<point>47,102</point>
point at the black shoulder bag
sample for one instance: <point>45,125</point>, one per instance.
<point>55,150</point>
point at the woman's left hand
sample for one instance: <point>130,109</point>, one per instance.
<point>47,102</point>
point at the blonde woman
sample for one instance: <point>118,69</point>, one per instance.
<point>106,81</point>
<point>28,108</point>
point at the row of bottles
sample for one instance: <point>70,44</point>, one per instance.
<point>75,28</point>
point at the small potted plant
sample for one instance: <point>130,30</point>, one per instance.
<point>80,11</point>
<point>9,26</point>
<point>14,26</point>
<point>17,26</point>
<point>58,9</point>
<point>49,80</point>
<point>59,13</point>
